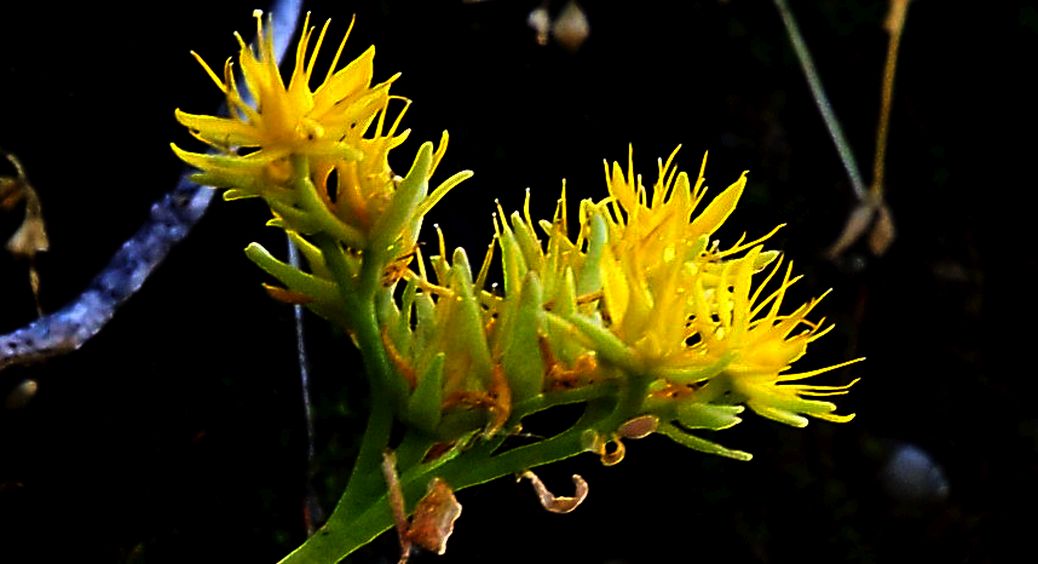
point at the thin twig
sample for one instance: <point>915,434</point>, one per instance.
<point>312,514</point>
<point>822,101</point>
<point>895,24</point>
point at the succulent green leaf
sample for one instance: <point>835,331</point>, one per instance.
<point>232,194</point>
<point>695,415</point>
<point>608,346</point>
<point>702,445</point>
<point>522,357</point>
<point>411,190</point>
<point>694,374</point>
<point>291,218</point>
<point>319,290</point>
<point>313,255</point>
<point>527,240</point>
<point>512,262</point>
<point>466,330</point>
<point>317,212</point>
<point>425,322</point>
<point>424,406</point>
<point>590,279</point>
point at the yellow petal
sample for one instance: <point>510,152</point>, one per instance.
<point>719,209</point>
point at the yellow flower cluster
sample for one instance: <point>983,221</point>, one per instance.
<point>647,289</point>
<point>639,315</point>
<point>643,293</point>
<point>686,307</point>
<point>338,131</point>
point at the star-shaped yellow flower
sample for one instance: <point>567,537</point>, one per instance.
<point>325,124</point>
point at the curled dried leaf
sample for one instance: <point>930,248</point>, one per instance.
<point>434,517</point>
<point>558,504</point>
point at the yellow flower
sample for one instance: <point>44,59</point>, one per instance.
<point>658,247</point>
<point>691,313</point>
<point>319,157</point>
<point>325,124</point>
<point>763,343</point>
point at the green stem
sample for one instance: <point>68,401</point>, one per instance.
<point>563,397</point>
<point>344,532</point>
<point>366,475</point>
<point>633,390</point>
<point>353,525</point>
<point>359,296</point>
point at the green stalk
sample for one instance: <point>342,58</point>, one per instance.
<point>350,528</point>
<point>343,534</point>
<point>359,297</point>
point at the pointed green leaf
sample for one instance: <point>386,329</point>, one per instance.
<point>702,445</point>
<point>695,415</point>
<point>590,279</point>
<point>522,355</point>
<point>409,192</point>
<point>424,406</point>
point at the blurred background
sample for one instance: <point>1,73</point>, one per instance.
<point>177,433</point>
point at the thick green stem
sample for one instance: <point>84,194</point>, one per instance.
<point>364,486</point>
<point>366,470</point>
<point>344,532</point>
<point>359,295</point>
<point>352,526</point>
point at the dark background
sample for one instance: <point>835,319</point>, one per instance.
<point>176,434</point>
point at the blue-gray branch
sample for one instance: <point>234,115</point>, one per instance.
<point>171,219</point>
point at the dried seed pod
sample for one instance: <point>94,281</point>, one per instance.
<point>639,427</point>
